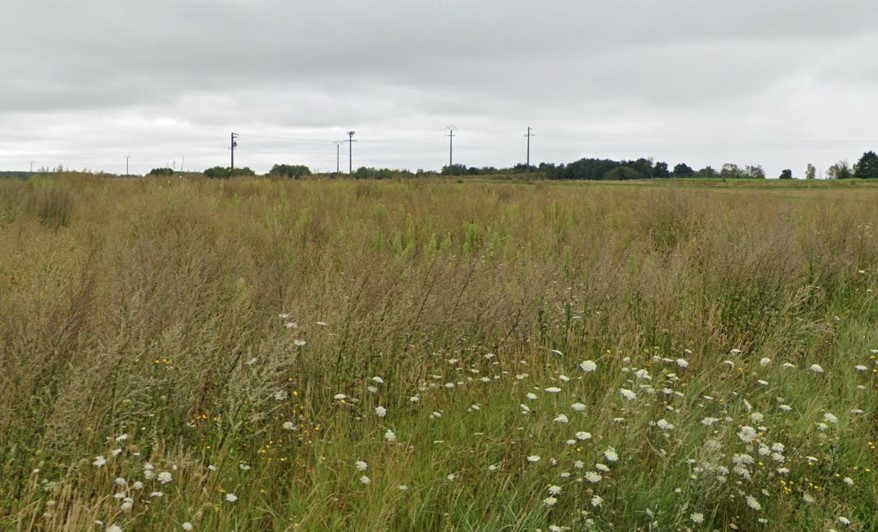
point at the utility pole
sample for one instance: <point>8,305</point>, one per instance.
<point>31,167</point>
<point>126,164</point>
<point>529,135</point>
<point>234,144</point>
<point>351,152</point>
<point>338,144</point>
<point>451,129</point>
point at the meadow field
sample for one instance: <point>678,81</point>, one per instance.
<point>437,355</point>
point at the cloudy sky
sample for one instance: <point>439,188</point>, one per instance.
<point>780,83</point>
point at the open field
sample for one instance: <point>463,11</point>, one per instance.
<point>433,355</point>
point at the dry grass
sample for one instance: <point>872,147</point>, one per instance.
<point>150,308</point>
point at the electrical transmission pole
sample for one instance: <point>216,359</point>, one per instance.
<point>126,164</point>
<point>529,135</point>
<point>338,144</point>
<point>351,152</point>
<point>234,144</point>
<point>451,129</point>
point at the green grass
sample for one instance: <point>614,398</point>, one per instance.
<point>150,309</point>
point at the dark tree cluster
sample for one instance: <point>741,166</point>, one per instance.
<point>294,171</point>
<point>161,171</point>
<point>867,166</point>
<point>609,170</point>
<point>220,172</point>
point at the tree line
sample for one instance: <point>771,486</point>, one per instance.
<point>589,169</point>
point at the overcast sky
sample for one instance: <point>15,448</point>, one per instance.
<point>780,83</point>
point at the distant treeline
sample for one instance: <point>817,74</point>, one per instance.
<point>609,170</point>
<point>15,175</point>
<point>584,169</point>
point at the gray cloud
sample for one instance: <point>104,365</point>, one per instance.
<point>780,83</point>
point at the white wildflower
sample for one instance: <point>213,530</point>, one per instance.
<point>628,394</point>
<point>747,434</point>
<point>753,503</point>
<point>593,476</point>
<point>663,424</point>
<point>588,366</point>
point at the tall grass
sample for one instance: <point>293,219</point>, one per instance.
<point>140,323</point>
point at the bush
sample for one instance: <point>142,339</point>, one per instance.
<point>294,171</point>
<point>161,171</point>
<point>220,172</point>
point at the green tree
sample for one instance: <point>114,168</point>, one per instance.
<point>217,172</point>
<point>623,173</point>
<point>786,174</point>
<point>732,171</point>
<point>707,171</point>
<point>840,170</point>
<point>161,171</point>
<point>683,170</point>
<point>810,172</point>
<point>289,170</point>
<point>754,172</point>
<point>220,172</point>
<point>660,170</point>
<point>867,166</point>
<point>455,169</point>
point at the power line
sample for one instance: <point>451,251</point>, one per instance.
<point>338,144</point>
<point>234,144</point>
<point>351,152</point>
<point>451,129</point>
<point>529,135</point>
